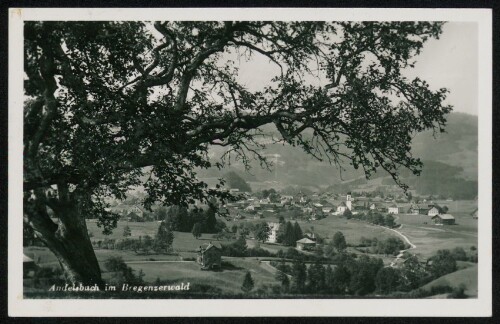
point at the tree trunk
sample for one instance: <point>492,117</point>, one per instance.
<point>70,243</point>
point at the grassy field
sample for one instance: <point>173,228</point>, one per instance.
<point>137,229</point>
<point>429,238</point>
<point>352,229</point>
<point>467,277</point>
<point>419,229</point>
<point>229,279</point>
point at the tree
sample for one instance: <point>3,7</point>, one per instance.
<point>161,213</point>
<point>341,279</point>
<point>442,263</point>
<point>262,231</point>
<point>111,104</point>
<point>316,278</point>
<point>210,221</point>
<point>147,244</point>
<point>347,213</point>
<point>196,231</point>
<point>297,232</point>
<point>299,276</point>
<point>126,231</point>
<point>177,216</point>
<point>389,221</point>
<point>247,283</point>
<point>164,238</point>
<point>234,228</point>
<point>387,280</point>
<point>237,182</point>
<point>339,242</point>
<point>363,273</point>
<point>289,237</point>
<point>459,254</point>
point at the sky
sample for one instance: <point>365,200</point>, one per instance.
<point>450,62</point>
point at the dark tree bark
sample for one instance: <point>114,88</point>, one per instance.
<point>68,239</point>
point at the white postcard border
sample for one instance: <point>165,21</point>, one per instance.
<point>17,306</point>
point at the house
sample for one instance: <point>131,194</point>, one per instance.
<point>393,209</point>
<point>305,244</point>
<point>326,210</point>
<point>433,211</point>
<point>250,208</point>
<point>139,211</point>
<point>307,210</point>
<point>209,256</point>
<point>416,209</point>
<point>413,210</point>
<point>273,232</point>
<point>132,217</point>
<point>474,214</point>
<point>377,206</point>
<point>311,236</point>
<point>444,219</point>
<point>341,208</point>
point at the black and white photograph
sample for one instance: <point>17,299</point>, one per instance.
<point>233,157</point>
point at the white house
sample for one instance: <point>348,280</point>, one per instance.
<point>433,211</point>
<point>273,233</point>
<point>393,209</point>
<point>341,208</point>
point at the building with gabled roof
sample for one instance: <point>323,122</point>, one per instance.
<point>444,219</point>
<point>305,244</point>
<point>209,256</point>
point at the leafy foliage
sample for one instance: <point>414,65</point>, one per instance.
<point>196,231</point>
<point>248,282</point>
<point>262,231</point>
<point>126,231</point>
<point>236,182</point>
<point>164,238</point>
<point>339,242</point>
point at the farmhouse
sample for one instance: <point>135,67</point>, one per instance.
<point>474,214</point>
<point>209,256</point>
<point>305,244</point>
<point>445,219</point>
<point>434,210</point>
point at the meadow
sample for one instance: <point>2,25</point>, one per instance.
<point>178,266</point>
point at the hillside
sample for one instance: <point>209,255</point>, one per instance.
<point>450,158</point>
<point>466,277</point>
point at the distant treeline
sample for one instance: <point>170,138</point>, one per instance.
<point>182,220</point>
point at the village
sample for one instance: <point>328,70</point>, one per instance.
<point>418,227</point>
